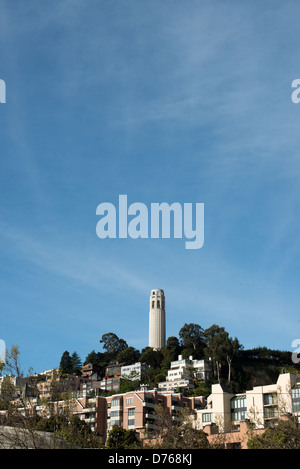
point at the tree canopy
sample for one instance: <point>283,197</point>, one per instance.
<point>284,435</point>
<point>119,438</point>
<point>70,364</point>
<point>192,340</point>
<point>112,343</point>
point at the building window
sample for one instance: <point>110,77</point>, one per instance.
<point>158,303</point>
<point>238,408</point>
<point>270,399</point>
<point>116,422</point>
<point>153,304</point>
<point>270,412</point>
<point>296,399</point>
<point>206,418</point>
<point>131,414</point>
<point>115,402</point>
<point>129,400</point>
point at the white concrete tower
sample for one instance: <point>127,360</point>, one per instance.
<point>157,320</point>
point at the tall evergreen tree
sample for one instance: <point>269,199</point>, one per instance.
<point>66,364</point>
<point>76,363</point>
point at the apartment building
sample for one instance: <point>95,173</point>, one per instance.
<point>116,371</point>
<point>55,385</point>
<point>134,371</point>
<point>184,373</point>
<point>135,410</point>
<point>228,413</point>
<point>87,371</point>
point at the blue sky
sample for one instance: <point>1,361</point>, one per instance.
<point>165,102</point>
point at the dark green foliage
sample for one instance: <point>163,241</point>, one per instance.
<point>128,356</point>
<point>170,353</point>
<point>70,364</point>
<point>201,389</point>
<point>65,365</point>
<point>112,344</point>
<point>127,385</point>
<point>98,360</point>
<point>151,357</point>
<point>284,435</point>
<point>192,340</point>
<point>118,438</point>
<point>76,364</point>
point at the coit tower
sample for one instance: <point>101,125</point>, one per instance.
<point>157,320</point>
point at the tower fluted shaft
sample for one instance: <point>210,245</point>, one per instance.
<point>157,320</point>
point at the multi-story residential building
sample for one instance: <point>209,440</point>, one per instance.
<point>132,410</point>
<point>113,370</point>
<point>223,416</point>
<point>111,380</point>
<point>55,385</point>
<point>133,371</point>
<point>87,371</point>
<point>228,413</point>
<point>135,410</point>
<point>183,374</point>
<point>49,373</point>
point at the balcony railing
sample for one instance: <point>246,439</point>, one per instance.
<point>149,404</point>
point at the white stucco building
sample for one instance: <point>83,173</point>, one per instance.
<point>184,373</point>
<point>262,405</point>
<point>133,371</point>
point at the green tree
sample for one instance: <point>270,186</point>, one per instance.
<point>127,385</point>
<point>67,427</point>
<point>151,357</point>
<point>98,360</point>
<point>76,364</point>
<point>192,340</point>
<point>221,348</point>
<point>202,389</point>
<point>128,356</point>
<point>284,435</point>
<point>77,434</point>
<point>119,438</point>
<point>112,344</point>
<point>178,433</point>
<point>66,365</point>
<point>149,376</point>
<point>169,353</point>
<point>232,348</point>
<point>171,350</point>
<point>216,337</point>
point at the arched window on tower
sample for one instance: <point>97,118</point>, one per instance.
<point>153,303</point>
<point>158,303</point>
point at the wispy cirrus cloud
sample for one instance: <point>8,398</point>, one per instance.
<point>74,261</point>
